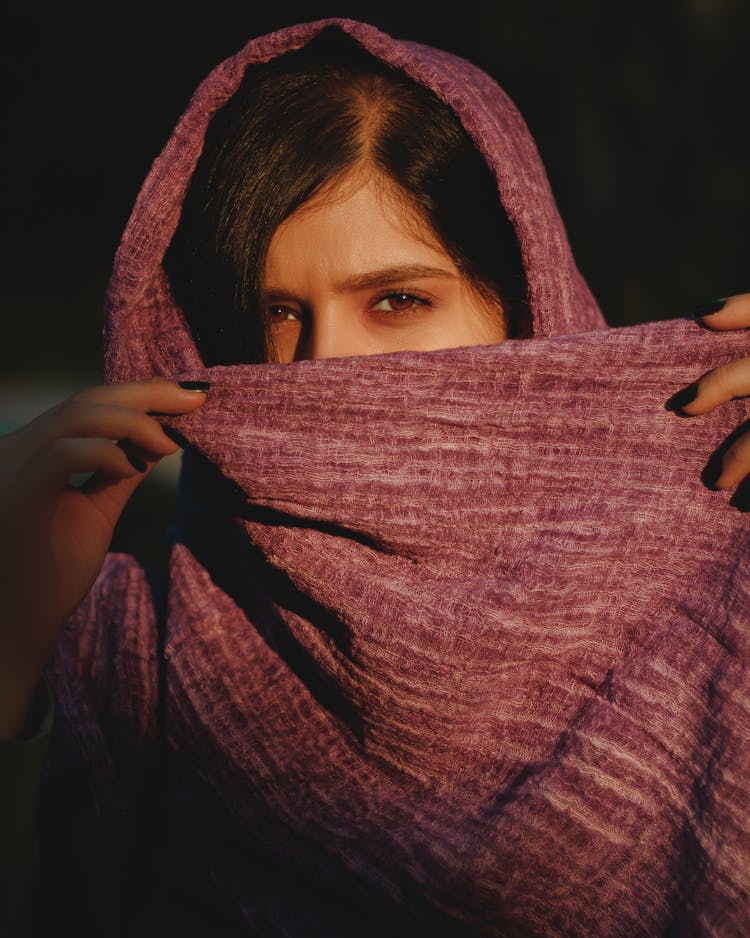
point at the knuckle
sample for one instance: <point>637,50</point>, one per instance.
<point>84,394</point>
<point>739,451</point>
<point>60,417</point>
<point>732,457</point>
<point>720,382</point>
<point>57,450</point>
<point>736,460</point>
<point>65,408</point>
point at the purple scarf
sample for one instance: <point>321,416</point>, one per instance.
<point>454,642</point>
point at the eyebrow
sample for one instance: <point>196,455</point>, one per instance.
<point>381,278</point>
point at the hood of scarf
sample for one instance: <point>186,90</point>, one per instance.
<point>144,333</point>
<point>455,640</point>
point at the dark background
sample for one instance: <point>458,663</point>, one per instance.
<point>640,112</point>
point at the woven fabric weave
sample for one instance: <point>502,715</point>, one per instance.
<point>456,642</point>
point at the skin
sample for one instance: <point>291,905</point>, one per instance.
<point>325,301</point>
<point>54,538</point>
<point>724,384</point>
<point>341,280</point>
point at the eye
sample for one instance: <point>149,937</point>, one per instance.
<point>400,302</point>
<point>277,314</point>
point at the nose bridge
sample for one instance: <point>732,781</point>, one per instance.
<point>325,335</point>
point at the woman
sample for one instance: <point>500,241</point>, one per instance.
<point>437,652</point>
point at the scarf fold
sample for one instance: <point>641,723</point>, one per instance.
<point>455,642</point>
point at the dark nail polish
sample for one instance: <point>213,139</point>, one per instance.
<point>195,385</point>
<point>136,463</point>
<point>706,309</point>
<point>174,435</point>
<point>683,398</point>
<point>712,471</point>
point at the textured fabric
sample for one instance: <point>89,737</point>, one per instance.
<point>455,642</point>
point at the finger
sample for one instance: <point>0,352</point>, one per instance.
<point>734,312</point>
<point>49,470</point>
<point>735,463</point>
<point>716,387</point>
<point>77,418</point>
<point>153,394</point>
<point>110,494</point>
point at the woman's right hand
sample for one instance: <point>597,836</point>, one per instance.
<point>54,537</point>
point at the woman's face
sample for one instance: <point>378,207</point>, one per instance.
<point>353,272</point>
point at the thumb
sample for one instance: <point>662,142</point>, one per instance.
<point>110,495</point>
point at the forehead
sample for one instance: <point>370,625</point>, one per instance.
<point>356,220</point>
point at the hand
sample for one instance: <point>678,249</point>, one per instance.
<point>720,385</point>
<point>54,537</point>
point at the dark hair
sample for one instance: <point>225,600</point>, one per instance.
<point>296,123</point>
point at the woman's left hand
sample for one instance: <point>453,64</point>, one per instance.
<point>722,384</point>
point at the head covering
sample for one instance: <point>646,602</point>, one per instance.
<point>455,642</point>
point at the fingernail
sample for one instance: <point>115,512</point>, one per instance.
<point>706,309</point>
<point>683,398</point>
<point>174,435</point>
<point>712,471</point>
<point>136,463</point>
<point>195,385</point>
